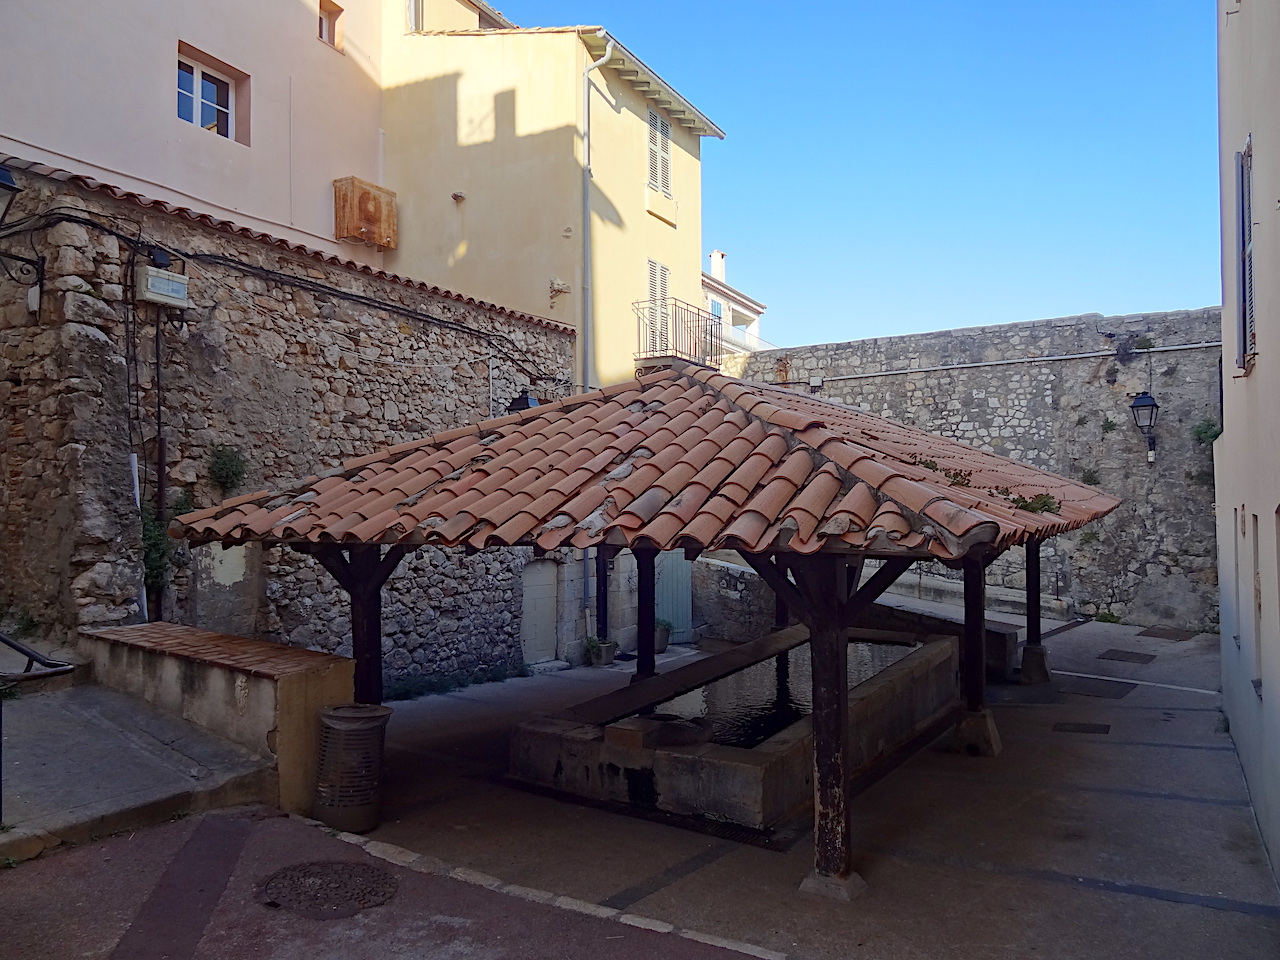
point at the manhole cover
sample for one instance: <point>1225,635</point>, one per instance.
<point>1082,728</point>
<point>329,890</point>
<point>1128,656</point>
<point>1168,633</point>
<point>1090,687</point>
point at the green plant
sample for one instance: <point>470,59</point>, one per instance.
<point>1112,373</point>
<point>1040,503</point>
<point>184,502</point>
<point>10,862</point>
<point>927,464</point>
<point>1144,343</point>
<point>11,692</point>
<point>27,626</point>
<point>1108,425</point>
<point>1201,478</point>
<point>958,477</point>
<point>663,624</point>
<point>1082,420</point>
<point>1106,616</point>
<point>1090,536</point>
<point>157,548</point>
<point>1206,430</point>
<point>227,467</point>
<point>1090,476</point>
<point>591,647</point>
<point>5,827</point>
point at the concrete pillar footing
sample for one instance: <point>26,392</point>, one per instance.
<point>1035,665</point>
<point>976,734</point>
<point>834,888</point>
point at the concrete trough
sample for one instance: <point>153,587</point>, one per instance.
<point>628,762</point>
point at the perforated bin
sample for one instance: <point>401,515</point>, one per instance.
<point>348,782</point>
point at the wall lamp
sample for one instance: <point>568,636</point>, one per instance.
<point>20,269</point>
<point>1145,410</point>
<point>522,402</point>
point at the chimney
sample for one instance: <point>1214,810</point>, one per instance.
<point>717,264</point>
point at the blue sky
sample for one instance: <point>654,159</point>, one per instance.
<point>894,167</point>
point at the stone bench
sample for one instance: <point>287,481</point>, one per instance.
<point>263,696</point>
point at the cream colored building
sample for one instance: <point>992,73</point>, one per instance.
<point>548,170</point>
<point>739,314</point>
<point>1247,454</point>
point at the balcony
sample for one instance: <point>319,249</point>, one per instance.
<point>739,340</point>
<point>673,328</point>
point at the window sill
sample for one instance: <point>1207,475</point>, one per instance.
<point>660,205</point>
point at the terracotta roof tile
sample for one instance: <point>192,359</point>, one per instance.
<point>679,458</point>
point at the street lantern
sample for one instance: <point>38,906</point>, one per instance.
<point>522,402</point>
<point>9,191</point>
<point>1145,410</point>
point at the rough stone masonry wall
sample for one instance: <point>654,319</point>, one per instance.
<point>1056,394</point>
<point>294,379</point>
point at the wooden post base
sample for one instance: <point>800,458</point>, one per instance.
<point>834,888</point>
<point>976,734</point>
<point>1035,665</point>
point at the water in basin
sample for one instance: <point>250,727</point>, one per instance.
<point>750,706</point>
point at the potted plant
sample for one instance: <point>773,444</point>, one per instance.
<point>661,635</point>
<point>600,652</point>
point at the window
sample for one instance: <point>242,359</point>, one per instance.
<point>414,17</point>
<point>657,338</point>
<point>212,94</point>
<point>204,98</point>
<point>1246,329</point>
<point>329,14</point>
<point>659,152</point>
<point>717,309</point>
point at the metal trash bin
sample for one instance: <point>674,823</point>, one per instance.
<point>348,790</point>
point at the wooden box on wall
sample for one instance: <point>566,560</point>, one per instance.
<point>364,211</point>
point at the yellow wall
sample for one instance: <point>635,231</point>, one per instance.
<point>625,235</point>
<point>1247,455</point>
<point>498,117</point>
<point>492,117</point>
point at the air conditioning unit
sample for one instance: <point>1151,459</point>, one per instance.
<point>154,285</point>
<point>364,212</point>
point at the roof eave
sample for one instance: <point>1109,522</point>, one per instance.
<point>732,293</point>
<point>647,81</point>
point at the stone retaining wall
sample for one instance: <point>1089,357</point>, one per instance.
<point>1056,394</point>
<point>291,361</point>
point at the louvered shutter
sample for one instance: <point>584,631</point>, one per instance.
<point>666,154</point>
<point>1246,326</point>
<point>657,338</point>
<point>655,152</point>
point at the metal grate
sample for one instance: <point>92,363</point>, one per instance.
<point>1128,656</point>
<point>1168,633</point>
<point>1082,728</point>
<point>329,890</point>
<point>1086,687</point>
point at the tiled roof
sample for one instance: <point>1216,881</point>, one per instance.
<point>227,226</point>
<point>681,458</point>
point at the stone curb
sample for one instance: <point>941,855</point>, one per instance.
<point>425,863</point>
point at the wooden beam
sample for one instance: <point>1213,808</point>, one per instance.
<point>776,577</point>
<point>973,644</point>
<point>867,594</point>
<point>646,611</point>
<point>602,593</point>
<point>1033,593</point>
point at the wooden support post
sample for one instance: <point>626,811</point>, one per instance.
<point>1035,665</point>
<point>602,593</point>
<point>362,575</point>
<point>976,732</point>
<point>646,612</point>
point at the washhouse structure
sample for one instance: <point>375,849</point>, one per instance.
<point>687,459</point>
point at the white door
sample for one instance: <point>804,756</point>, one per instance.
<point>538,612</point>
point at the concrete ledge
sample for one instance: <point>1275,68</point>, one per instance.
<point>757,787</point>
<point>263,696</point>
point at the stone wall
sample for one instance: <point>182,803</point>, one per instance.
<point>1056,394</point>
<point>287,362</point>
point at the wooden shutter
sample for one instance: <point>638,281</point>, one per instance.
<point>1246,326</point>
<point>659,152</point>
<point>657,337</point>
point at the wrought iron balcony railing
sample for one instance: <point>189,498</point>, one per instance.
<point>673,328</point>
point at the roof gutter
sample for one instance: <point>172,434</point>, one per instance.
<point>588,308</point>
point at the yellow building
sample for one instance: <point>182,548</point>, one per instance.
<point>1247,454</point>
<point>549,170</point>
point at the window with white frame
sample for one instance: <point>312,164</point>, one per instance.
<point>414,16</point>
<point>717,309</point>
<point>329,28</point>
<point>659,152</point>
<point>1246,327</point>
<point>205,98</point>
